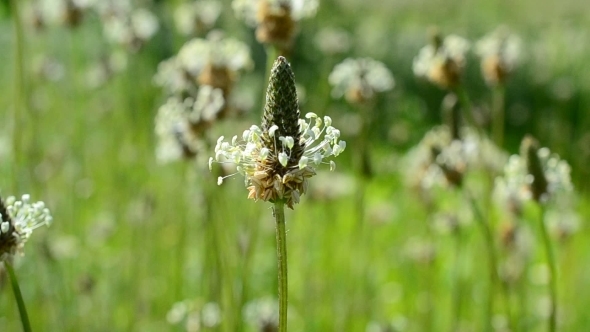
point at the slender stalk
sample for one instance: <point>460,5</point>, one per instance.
<point>552,270</point>
<point>24,317</point>
<point>19,98</point>
<point>498,112</point>
<point>466,107</point>
<point>279,214</point>
<point>492,259</point>
<point>458,282</point>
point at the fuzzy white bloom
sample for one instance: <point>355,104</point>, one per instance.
<point>439,157</point>
<point>18,220</point>
<point>333,41</point>
<point>127,27</point>
<point>500,54</point>
<point>442,63</point>
<point>177,122</point>
<point>500,43</point>
<point>247,10</point>
<point>192,17</point>
<point>364,75</point>
<point>194,316</point>
<point>516,181</point>
<point>61,11</point>
<point>262,313</point>
<point>319,140</point>
<point>173,78</point>
<point>180,74</point>
<point>227,52</point>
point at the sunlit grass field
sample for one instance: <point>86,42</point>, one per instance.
<point>133,236</point>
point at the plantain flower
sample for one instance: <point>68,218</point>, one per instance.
<point>275,20</point>
<point>278,157</point>
<point>443,61</point>
<point>18,220</point>
<point>215,61</point>
<point>197,16</point>
<point>360,79</point>
<point>500,53</point>
<point>535,174</point>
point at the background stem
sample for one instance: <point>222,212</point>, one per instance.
<point>498,114</point>
<point>552,270</point>
<point>24,317</point>
<point>279,213</point>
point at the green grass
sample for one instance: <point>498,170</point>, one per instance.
<point>131,237</point>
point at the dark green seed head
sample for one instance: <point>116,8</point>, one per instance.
<point>282,110</point>
<point>529,149</point>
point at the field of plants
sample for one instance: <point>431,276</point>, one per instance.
<point>301,165</point>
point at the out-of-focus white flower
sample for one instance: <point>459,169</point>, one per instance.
<point>105,68</point>
<point>500,53</point>
<point>333,41</point>
<point>220,52</point>
<point>128,27</point>
<point>214,61</point>
<point>275,20</point>
<point>262,313</point>
<point>443,61</point>
<point>180,124</point>
<point>18,220</point>
<point>441,159</point>
<point>360,79</point>
<point>249,10</point>
<point>194,315</point>
<point>196,16</point>
<point>68,12</point>
<point>535,174</point>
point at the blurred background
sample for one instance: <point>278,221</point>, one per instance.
<point>143,238</point>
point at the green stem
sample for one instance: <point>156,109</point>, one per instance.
<point>498,100</point>
<point>552,270</point>
<point>458,282</point>
<point>279,213</point>
<point>466,107</point>
<point>24,318</point>
<point>19,90</point>
<point>492,260</point>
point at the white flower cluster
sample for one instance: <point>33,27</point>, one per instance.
<point>516,181</point>
<point>125,25</point>
<point>453,48</point>
<point>262,313</point>
<point>58,12</point>
<point>318,137</point>
<point>442,64</point>
<point>220,52</point>
<point>364,75</point>
<point>439,152</point>
<point>196,16</point>
<point>178,123</point>
<point>194,316</point>
<point>179,74</point>
<point>247,10</point>
<point>22,218</point>
<point>500,43</point>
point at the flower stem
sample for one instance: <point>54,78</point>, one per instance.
<point>498,100</point>
<point>279,213</point>
<point>19,95</point>
<point>466,107</point>
<point>458,282</point>
<point>19,297</point>
<point>552,270</point>
<point>492,260</point>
